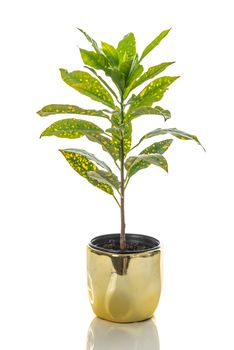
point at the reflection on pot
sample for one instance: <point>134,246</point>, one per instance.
<point>103,335</point>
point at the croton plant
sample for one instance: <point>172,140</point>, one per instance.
<point>124,71</point>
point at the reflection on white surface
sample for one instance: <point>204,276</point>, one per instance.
<point>103,335</point>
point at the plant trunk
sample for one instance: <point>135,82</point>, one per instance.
<point>122,199</point>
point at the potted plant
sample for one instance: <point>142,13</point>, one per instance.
<point>123,269</point>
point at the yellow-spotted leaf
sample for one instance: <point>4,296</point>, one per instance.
<point>105,177</point>
<point>153,92</point>
<point>156,159</point>
<point>70,109</point>
<point>107,144</point>
<point>71,128</point>
<point>135,72</point>
<point>87,85</point>
<point>154,43</point>
<point>103,81</point>
<point>127,47</point>
<point>89,156</point>
<point>94,59</point>
<point>156,148</point>
<point>82,165</point>
<point>125,132</point>
<point>151,73</point>
<point>173,131</point>
<point>149,110</point>
<point>110,53</point>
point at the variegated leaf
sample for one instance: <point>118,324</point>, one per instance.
<point>94,59</point>
<point>89,156</point>
<point>154,43</point>
<point>87,85</point>
<point>106,143</point>
<point>105,177</point>
<point>127,47</point>
<point>153,92</point>
<point>82,165</point>
<point>156,159</point>
<point>124,131</point>
<point>156,148</point>
<point>71,128</point>
<point>103,81</point>
<point>111,54</point>
<point>149,110</point>
<point>151,73</point>
<point>173,131</point>
<point>69,109</point>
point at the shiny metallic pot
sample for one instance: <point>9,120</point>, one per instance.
<point>124,287</point>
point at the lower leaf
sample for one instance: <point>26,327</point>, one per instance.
<point>82,165</point>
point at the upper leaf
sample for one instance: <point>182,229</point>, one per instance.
<point>173,131</point>
<point>92,41</point>
<point>89,156</point>
<point>103,81</point>
<point>154,43</point>
<point>153,92</point>
<point>87,85</point>
<point>71,128</point>
<point>127,47</point>
<point>111,54</point>
<point>151,73</point>
<point>69,109</point>
<point>82,165</point>
<point>149,110</point>
<point>105,177</point>
<point>94,59</point>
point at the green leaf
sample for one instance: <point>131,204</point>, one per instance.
<point>69,109</point>
<point>127,48</point>
<point>103,81</point>
<point>154,43</point>
<point>116,131</point>
<point>107,178</point>
<point>173,131</point>
<point>124,131</point>
<point>157,147</point>
<point>111,53</point>
<point>135,71</point>
<point>106,143</point>
<point>95,60</point>
<point>149,110</point>
<point>82,165</point>
<point>118,78</point>
<point>153,92</point>
<point>71,128</point>
<point>151,73</point>
<point>87,85</point>
<point>156,159</point>
<point>92,41</point>
<point>89,156</point>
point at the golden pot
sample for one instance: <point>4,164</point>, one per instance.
<point>124,287</point>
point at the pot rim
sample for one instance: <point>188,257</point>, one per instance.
<point>155,244</point>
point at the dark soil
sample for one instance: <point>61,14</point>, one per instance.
<point>131,246</point>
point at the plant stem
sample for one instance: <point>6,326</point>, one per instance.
<point>122,180</point>
<point>116,200</point>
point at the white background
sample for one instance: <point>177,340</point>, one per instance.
<point>49,213</point>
